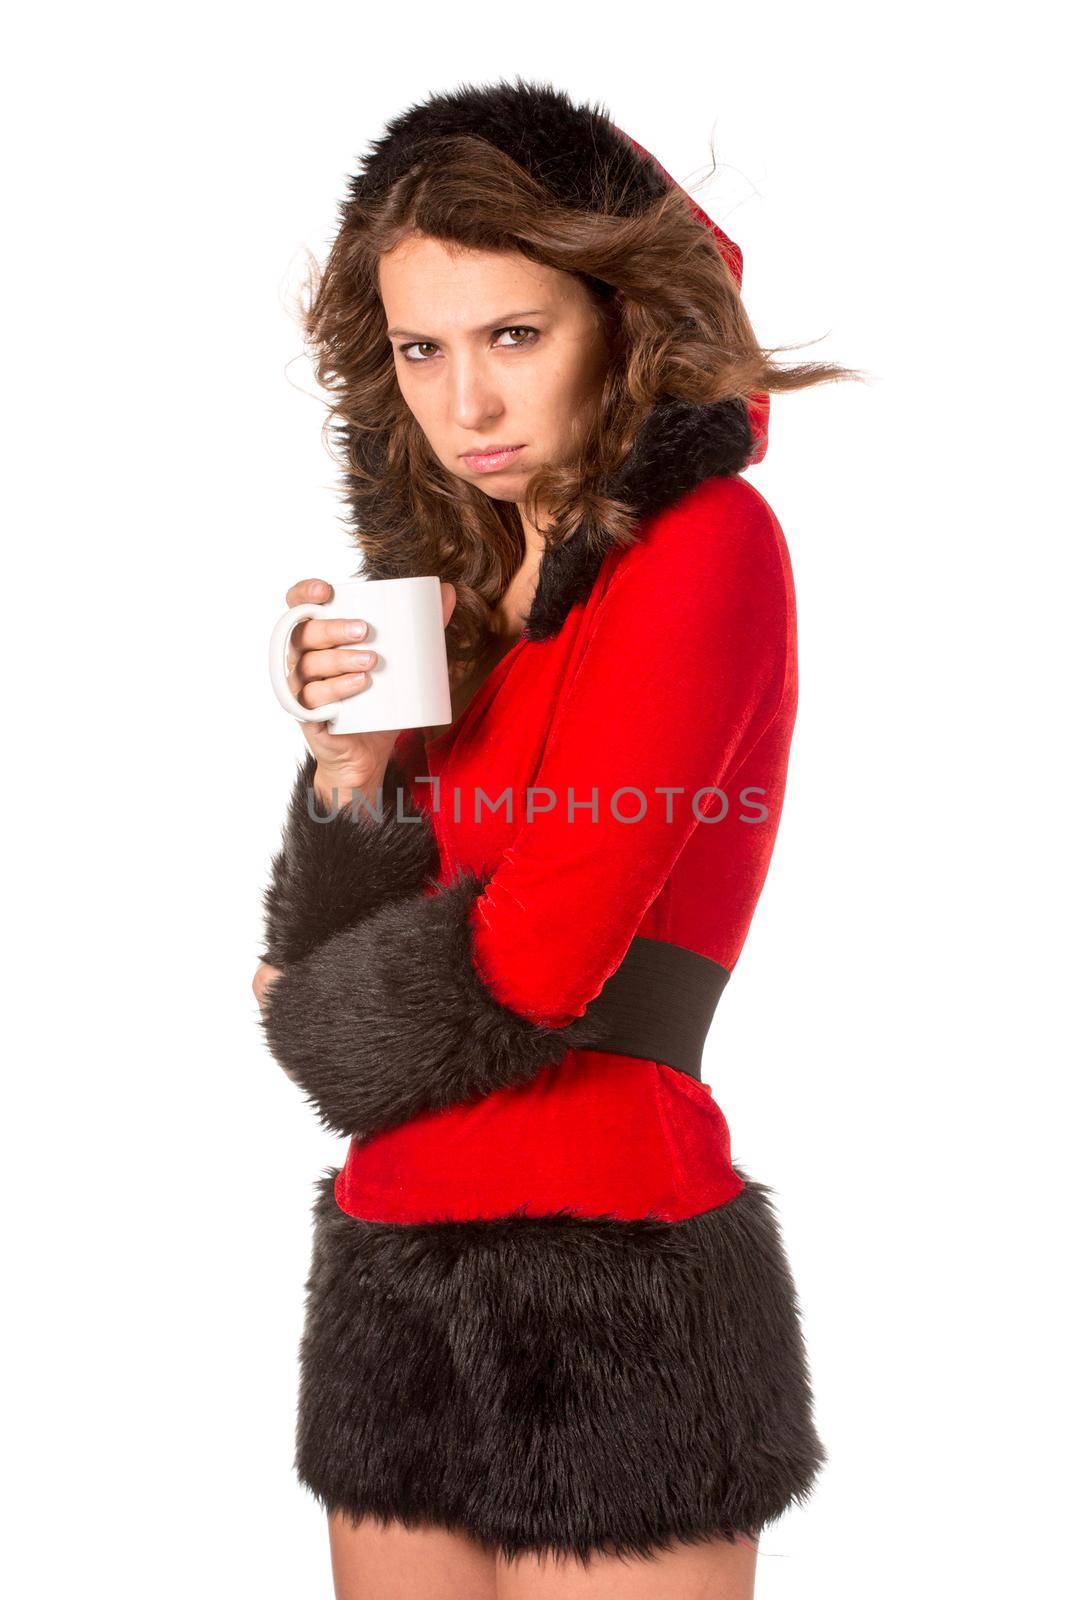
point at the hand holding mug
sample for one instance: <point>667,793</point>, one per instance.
<point>322,662</point>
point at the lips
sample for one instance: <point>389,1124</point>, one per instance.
<point>492,460</point>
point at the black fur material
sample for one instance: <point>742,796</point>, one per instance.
<point>574,150</point>
<point>563,145</point>
<point>557,1383</point>
<point>341,864</point>
<point>679,446</point>
<point>389,1018</point>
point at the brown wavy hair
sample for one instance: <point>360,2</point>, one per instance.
<point>672,316</point>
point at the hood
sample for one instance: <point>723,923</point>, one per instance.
<point>759,405</point>
<point>564,146</point>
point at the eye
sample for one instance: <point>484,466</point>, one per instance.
<point>422,344</point>
<point>524,342</point>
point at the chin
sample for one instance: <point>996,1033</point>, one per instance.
<point>497,490</point>
<point>500,492</point>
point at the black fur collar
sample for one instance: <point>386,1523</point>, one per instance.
<point>679,446</point>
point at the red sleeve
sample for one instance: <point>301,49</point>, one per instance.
<point>682,672</point>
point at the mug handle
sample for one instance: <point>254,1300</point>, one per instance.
<point>279,676</point>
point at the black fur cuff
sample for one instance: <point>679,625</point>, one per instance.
<point>389,1018</point>
<point>342,864</point>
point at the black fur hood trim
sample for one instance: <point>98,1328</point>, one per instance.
<point>571,149</point>
<point>557,1383</point>
<point>575,151</point>
<point>678,447</point>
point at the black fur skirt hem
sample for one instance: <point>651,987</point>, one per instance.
<point>557,1384</point>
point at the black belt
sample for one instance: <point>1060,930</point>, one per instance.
<point>657,1004</point>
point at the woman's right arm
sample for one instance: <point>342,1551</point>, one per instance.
<point>339,863</point>
<point>354,838</point>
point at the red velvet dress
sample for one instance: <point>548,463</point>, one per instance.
<point>644,753</point>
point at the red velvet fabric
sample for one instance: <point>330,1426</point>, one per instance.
<point>680,672</point>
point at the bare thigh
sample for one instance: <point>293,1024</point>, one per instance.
<point>712,1570</point>
<point>392,1562</point>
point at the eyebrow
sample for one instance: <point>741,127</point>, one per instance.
<point>504,321</point>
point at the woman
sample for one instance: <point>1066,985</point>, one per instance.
<point>552,1341</point>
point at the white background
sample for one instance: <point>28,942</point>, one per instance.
<point>889,1055</point>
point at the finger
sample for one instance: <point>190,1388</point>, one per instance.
<point>298,682</point>
<point>314,695</point>
<point>318,633</point>
<point>314,664</point>
<point>316,589</point>
<point>330,668</point>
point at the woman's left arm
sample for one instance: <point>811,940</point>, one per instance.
<point>440,998</point>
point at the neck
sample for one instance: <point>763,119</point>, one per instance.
<point>516,602</point>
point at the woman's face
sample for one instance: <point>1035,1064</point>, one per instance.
<point>491,350</point>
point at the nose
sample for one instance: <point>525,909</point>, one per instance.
<point>474,397</point>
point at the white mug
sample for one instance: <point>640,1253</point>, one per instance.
<point>409,687</point>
